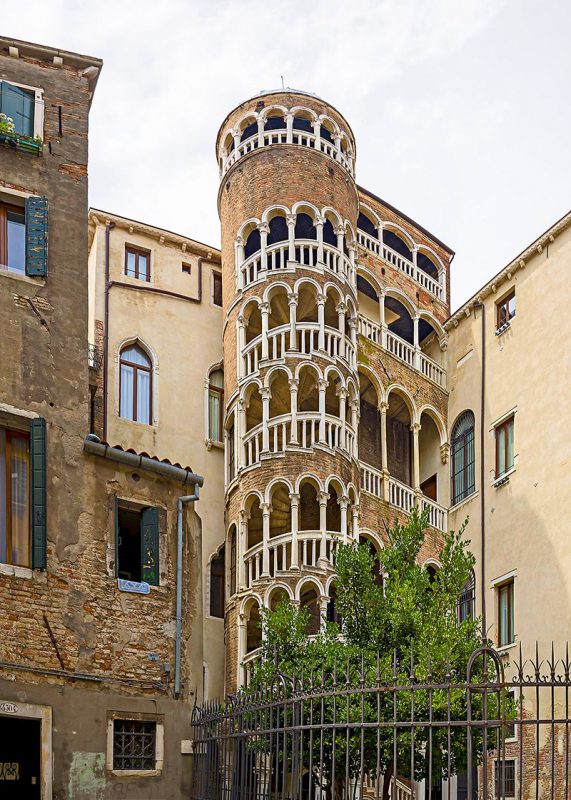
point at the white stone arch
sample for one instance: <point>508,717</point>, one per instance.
<point>403,299</point>
<point>268,214</point>
<point>273,288</point>
<point>371,535</point>
<point>308,365</point>
<point>336,479</point>
<point>335,129</point>
<point>246,228</point>
<point>266,112</point>
<point>246,388</point>
<point>349,148</point>
<point>394,227</point>
<point>304,110</point>
<point>350,236</point>
<point>372,376</point>
<point>332,212</point>
<point>428,317</point>
<point>273,370</point>
<point>352,388</point>
<point>435,416</point>
<point>370,212</point>
<point>308,580</point>
<point>333,368</point>
<point>275,586</point>
<point>433,255</point>
<point>275,482</point>
<point>242,124</point>
<point>351,488</point>
<point>252,300</point>
<point>333,287</point>
<point>431,562</point>
<point>304,206</point>
<point>301,281</point>
<point>398,388</point>
<point>308,476</point>
<point>252,495</point>
<point>351,307</point>
<point>247,600</point>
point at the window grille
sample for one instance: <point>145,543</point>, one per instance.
<point>505,778</point>
<point>463,458</point>
<point>134,744</point>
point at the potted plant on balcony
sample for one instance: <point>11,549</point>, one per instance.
<point>9,137</point>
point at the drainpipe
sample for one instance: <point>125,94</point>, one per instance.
<point>108,228</point>
<point>482,471</point>
<point>182,501</point>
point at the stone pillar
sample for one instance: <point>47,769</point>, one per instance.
<point>341,309</point>
<point>319,223</point>
<point>382,322</point>
<point>323,497</point>
<point>293,386</point>
<point>292,303</point>
<point>294,501</point>
<point>343,505</point>
<point>260,132</point>
<point>415,322</point>
<point>355,425</point>
<point>322,389</point>
<point>241,343</point>
<point>242,546</point>
<point>266,395</point>
<point>342,394</point>
<point>289,128</point>
<point>355,521</point>
<point>317,133</point>
<point>415,428</point>
<point>264,229</point>
<point>290,219</point>
<point>241,431</point>
<point>321,321</point>
<point>383,408</point>
<point>339,232</point>
<point>242,640</point>
<point>265,315</point>
<point>236,137</point>
<point>353,332</point>
<point>266,510</point>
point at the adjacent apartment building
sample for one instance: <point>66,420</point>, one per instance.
<point>307,382</point>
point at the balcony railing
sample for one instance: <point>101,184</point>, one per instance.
<point>338,435</point>
<point>307,343</point>
<point>309,550</point>
<point>280,136</point>
<point>306,255</point>
<point>401,263</point>
<point>402,350</point>
<point>402,496</point>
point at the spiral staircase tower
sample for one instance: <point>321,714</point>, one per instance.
<point>288,206</point>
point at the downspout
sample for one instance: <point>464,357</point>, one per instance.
<point>182,501</point>
<point>482,472</point>
<point>108,228</point>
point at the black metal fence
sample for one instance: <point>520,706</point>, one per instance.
<point>345,733</point>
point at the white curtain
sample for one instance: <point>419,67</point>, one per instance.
<point>126,410</point>
<point>20,470</point>
<point>143,396</point>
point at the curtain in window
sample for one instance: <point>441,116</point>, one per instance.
<point>143,396</point>
<point>463,458</point>
<point>214,415</point>
<point>19,105</point>
<point>126,410</point>
<point>20,471</point>
<point>506,614</point>
<point>3,514</point>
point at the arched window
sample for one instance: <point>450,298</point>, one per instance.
<point>215,405</point>
<point>397,244</point>
<point>252,243</point>
<point>463,458</point>
<point>467,602</point>
<point>278,230</point>
<point>232,567</point>
<point>304,227</point>
<point>365,224</point>
<point>329,235</point>
<point>217,584</point>
<point>274,123</point>
<point>135,385</point>
<point>249,130</point>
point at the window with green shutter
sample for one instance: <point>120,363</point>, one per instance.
<point>39,492</point>
<point>37,236</point>
<point>137,542</point>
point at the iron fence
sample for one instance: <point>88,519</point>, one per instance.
<point>345,732</point>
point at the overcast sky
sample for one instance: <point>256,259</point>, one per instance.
<point>461,108</point>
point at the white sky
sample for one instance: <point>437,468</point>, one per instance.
<point>460,108</point>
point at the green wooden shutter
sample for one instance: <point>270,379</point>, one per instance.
<point>39,493</point>
<point>37,236</point>
<point>150,546</point>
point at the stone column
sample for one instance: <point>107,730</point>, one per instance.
<point>321,321</point>
<point>260,132</point>
<point>317,133</point>
<point>264,229</point>
<point>323,497</point>
<point>236,137</point>
<point>343,505</point>
<point>353,332</point>
<point>355,426</point>
<point>289,128</point>
<point>383,408</point>
<point>241,343</point>
<point>242,546</point>
<point>341,309</point>
<point>241,431</point>
<point>265,315</point>
<point>342,394</point>
<point>293,387</point>
<point>240,258</point>
<point>266,510</point>
<point>294,501</point>
<point>339,232</point>
<point>242,640</point>
<point>383,324</point>
<point>292,303</point>
<point>290,219</point>
<point>322,389</point>
<point>355,521</point>
<point>415,428</point>
<point>319,223</point>
<point>266,395</point>
<point>415,322</point>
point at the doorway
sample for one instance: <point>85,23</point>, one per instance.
<point>20,747</point>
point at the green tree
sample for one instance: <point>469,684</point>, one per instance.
<point>405,631</point>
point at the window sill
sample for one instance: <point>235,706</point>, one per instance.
<point>15,571</point>
<point>210,443</point>
<point>136,773</point>
<point>505,327</point>
<point>463,502</point>
<point>21,276</point>
<point>503,479</point>
<point>504,649</point>
<point>21,143</point>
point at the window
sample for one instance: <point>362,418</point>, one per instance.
<point>23,496</point>
<point>233,562</point>
<point>504,447</point>
<point>24,236</point>
<point>505,310</point>
<point>505,778</point>
<point>187,269</point>
<point>506,613</point>
<point>467,602</point>
<point>463,458</point>
<point>511,711</point>
<point>135,385</point>
<point>217,288</point>
<point>217,584</point>
<point>215,405</point>
<point>137,542</point>
<point>18,103</point>
<point>137,263</point>
<point>134,745</point>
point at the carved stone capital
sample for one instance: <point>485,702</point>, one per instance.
<point>444,452</point>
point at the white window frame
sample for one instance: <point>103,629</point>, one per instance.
<point>212,273</point>
<point>38,105</point>
<point>159,745</point>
